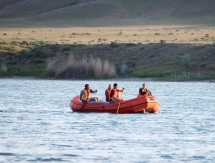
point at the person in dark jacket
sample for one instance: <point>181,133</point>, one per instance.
<point>144,91</point>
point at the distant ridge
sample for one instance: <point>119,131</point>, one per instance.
<point>67,13</point>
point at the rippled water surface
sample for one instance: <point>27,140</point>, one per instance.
<point>37,124</point>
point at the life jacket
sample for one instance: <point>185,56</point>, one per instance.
<point>145,95</point>
<point>107,94</point>
<point>116,94</point>
<point>86,94</point>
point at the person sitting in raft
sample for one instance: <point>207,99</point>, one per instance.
<point>144,91</point>
<point>107,92</point>
<point>114,95</point>
<point>85,94</point>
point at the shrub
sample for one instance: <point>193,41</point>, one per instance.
<point>131,44</point>
<point>123,68</point>
<point>132,63</point>
<point>60,66</point>
<point>70,64</point>
<point>114,44</point>
<point>98,68</point>
<point>112,71</point>
<point>100,39</point>
<point>23,52</point>
<point>60,71</point>
<point>50,68</point>
<point>66,49</point>
<point>162,41</point>
<point>55,48</point>
<point>91,67</point>
<point>82,68</point>
<point>71,67</point>
<point>207,35</point>
<point>40,54</point>
<point>203,64</point>
<point>186,60</point>
<point>24,43</point>
<point>3,69</point>
<point>39,61</point>
<point>106,68</point>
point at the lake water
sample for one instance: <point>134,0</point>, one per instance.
<point>37,124</point>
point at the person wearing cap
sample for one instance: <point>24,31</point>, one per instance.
<point>114,95</point>
<point>85,94</point>
<point>144,91</point>
<point>107,92</point>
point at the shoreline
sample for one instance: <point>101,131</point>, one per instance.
<point>134,79</point>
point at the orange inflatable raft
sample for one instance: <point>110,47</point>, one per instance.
<point>148,104</point>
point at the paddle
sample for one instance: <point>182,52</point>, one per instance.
<point>119,102</point>
<point>82,106</point>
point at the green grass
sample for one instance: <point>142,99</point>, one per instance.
<point>29,70</point>
<point>153,71</point>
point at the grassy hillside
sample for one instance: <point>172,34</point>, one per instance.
<point>166,61</point>
<point>64,13</point>
<point>166,53</point>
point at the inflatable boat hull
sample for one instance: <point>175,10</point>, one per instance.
<point>136,105</point>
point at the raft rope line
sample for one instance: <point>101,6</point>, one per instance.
<point>82,106</point>
<point>124,107</point>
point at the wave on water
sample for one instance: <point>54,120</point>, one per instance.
<point>6,154</point>
<point>48,160</point>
